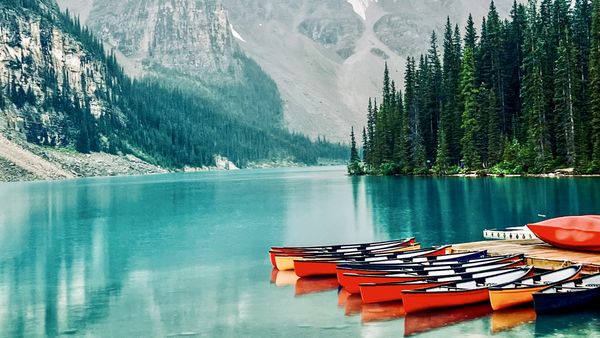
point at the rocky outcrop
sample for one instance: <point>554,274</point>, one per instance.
<point>190,37</point>
<point>188,44</point>
<point>38,64</point>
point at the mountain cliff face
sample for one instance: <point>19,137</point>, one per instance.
<point>327,56</point>
<point>60,89</point>
<point>188,44</point>
<point>41,67</point>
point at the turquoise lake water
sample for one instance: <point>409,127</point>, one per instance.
<point>186,254</point>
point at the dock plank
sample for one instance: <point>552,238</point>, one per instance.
<point>537,253</point>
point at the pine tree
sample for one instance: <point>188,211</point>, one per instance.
<point>353,151</point>
<point>450,118</point>
<point>365,145</point>
<point>564,107</point>
<point>442,158</point>
<point>538,154</point>
<point>595,85</point>
<point>494,138</point>
<point>378,126</point>
<point>513,59</point>
<point>471,35</point>
<point>582,25</point>
<point>370,136</point>
<point>470,125</point>
<point>434,96</point>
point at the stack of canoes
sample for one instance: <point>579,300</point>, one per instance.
<point>431,278</point>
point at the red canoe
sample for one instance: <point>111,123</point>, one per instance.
<point>344,274</point>
<point>306,268</point>
<point>458,294</point>
<point>427,262</point>
<point>386,292</point>
<point>570,232</point>
<point>352,281</point>
<point>335,248</point>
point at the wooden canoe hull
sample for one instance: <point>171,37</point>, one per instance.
<point>423,301</point>
<point>388,292</point>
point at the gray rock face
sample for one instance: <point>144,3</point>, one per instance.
<point>339,32</point>
<point>38,58</point>
<point>326,79</point>
<point>189,44</point>
<point>326,57</point>
<point>188,36</point>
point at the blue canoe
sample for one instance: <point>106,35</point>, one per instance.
<point>578,294</point>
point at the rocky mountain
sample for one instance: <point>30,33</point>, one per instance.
<point>326,57</point>
<point>184,43</point>
<point>61,91</point>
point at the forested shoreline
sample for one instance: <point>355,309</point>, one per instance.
<point>518,96</point>
<point>163,124</point>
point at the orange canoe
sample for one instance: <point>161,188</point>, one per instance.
<point>570,232</point>
<point>521,291</point>
<point>459,294</point>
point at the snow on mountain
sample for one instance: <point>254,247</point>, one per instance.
<point>360,7</point>
<point>236,34</point>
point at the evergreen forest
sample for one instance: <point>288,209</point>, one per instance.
<point>519,95</point>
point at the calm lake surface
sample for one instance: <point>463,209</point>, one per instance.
<point>186,254</point>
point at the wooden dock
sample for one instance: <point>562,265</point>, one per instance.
<point>537,253</point>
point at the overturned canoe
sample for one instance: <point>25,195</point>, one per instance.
<point>313,267</point>
<point>458,294</point>
<point>335,248</point>
<point>385,292</point>
<point>352,281</point>
<point>570,232</point>
<point>577,294</point>
<point>520,291</point>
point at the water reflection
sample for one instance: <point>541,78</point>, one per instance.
<point>507,319</point>
<point>378,312</point>
<point>432,209</point>
<point>581,324</point>
<point>308,285</point>
<point>426,321</point>
<point>183,254</point>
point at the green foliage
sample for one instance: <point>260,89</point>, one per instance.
<point>524,97</point>
<point>470,124</point>
<point>595,86</point>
